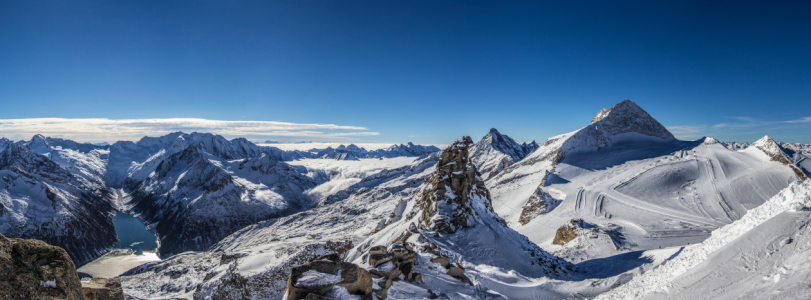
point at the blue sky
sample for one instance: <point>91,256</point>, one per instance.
<point>398,71</point>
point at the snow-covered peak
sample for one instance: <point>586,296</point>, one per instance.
<point>500,143</point>
<point>770,147</point>
<point>627,117</point>
<point>625,120</point>
<point>710,141</point>
<point>495,151</point>
<point>38,144</point>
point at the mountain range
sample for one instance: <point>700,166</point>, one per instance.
<point>598,212</point>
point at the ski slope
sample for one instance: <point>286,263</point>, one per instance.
<point>765,254</point>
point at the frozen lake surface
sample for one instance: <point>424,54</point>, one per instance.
<point>136,246</point>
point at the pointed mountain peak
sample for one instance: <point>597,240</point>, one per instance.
<point>626,117</point>
<point>765,141</point>
<point>623,107</point>
<point>769,146</point>
<point>38,139</point>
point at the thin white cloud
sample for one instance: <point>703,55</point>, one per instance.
<point>687,131</point>
<point>803,120</point>
<point>82,130</point>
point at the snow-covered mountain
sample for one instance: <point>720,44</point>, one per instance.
<point>495,151</point>
<point>636,186</point>
<point>801,148</point>
<point>256,260</point>
<point>42,200</point>
<point>353,152</point>
<point>194,201</point>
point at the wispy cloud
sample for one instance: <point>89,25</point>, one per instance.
<point>134,129</point>
<point>683,131</point>
<point>803,120</point>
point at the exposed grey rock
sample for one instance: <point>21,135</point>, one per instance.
<point>32,269</point>
<point>443,261</point>
<point>455,270</point>
<point>447,202</point>
<point>376,260</point>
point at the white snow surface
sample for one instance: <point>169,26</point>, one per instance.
<point>745,259</point>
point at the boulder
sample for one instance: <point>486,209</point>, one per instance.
<point>32,269</point>
<point>378,250</point>
<point>354,279</point>
<point>456,270</point>
<point>443,261</point>
<point>376,260</point>
<point>103,289</point>
<point>403,254</point>
<point>390,275</point>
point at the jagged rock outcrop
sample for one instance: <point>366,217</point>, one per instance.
<point>32,269</point>
<point>42,200</point>
<point>447,203</point>
<point>102,289</point>
<point>494,152</point>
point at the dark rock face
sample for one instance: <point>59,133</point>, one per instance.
<point>447,203</point>
<point>354,279</point>
<point>32,269</point>
<point>103,289</point>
